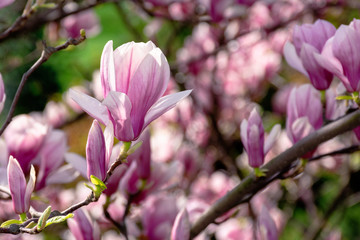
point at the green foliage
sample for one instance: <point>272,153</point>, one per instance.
<point>58,219</point>
<point>9,222</point>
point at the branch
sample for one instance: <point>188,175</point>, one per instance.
<point>45,55</point>
<point>120,225</point>
<point>30,21</point>
<point>347,150</point>
<point>251,185</point>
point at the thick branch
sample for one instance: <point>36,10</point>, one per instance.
<point>251,185</point>
<point>45,55</point>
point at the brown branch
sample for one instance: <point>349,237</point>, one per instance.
<point>34,20</point>
<point>45,55</point>
<point>251,185</point>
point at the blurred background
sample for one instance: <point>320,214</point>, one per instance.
<point>228,51</point>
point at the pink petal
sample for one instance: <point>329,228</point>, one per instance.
<point>96,152</point>
<point>107,69</point>
<point>293,59</point>
<point>271,138</point>
<point>109,141</point>
<point>64,174</point>
<point>120,107</point>
<point>243,132</point>
<point>90,105</point>
<point>78,162</point>
<point>255,149</point>
<point>320,78</point>
<point>267,225</point>
<point>127,59</point>
<point>29,188</point>
<point>181,228</point>
<point>147,85</point>
<point>4,3</point>
<point>17,185</point>
<point>163,105</point>
<point>347,50</point>
<point>301,128</point>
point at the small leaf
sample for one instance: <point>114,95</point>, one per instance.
<point>97,182</point>
<point>31,225</point>
<point>43,218</point>
<point>260,172</point>
<point>344,97</point>
<point>134,148</point>
<point>9,222</point>
<point>58,219</point>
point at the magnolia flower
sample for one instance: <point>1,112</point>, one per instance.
<point>134,78</point>
<point>51,156</point>
<point>266,225</point>
<point>24,138</point>
<point>4,3</point>
<point>20,191</point>
<point>308,40</point>
<point>72,24</point>
<point>304,112</point>
<point>98,150</point>
<point>341,55</point>
<point>252,136</point>
<point>82,227</point>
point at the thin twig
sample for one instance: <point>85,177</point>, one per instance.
<point>244,191</point>
<point>119,225</point>
<point>33,21</point>
<point>45,55</point>
<point>347,150</point>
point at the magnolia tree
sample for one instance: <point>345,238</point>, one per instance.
<point>179,119</point>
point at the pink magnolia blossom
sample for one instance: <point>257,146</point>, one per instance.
<point>158,215</point>
<point>4,3</point>
<point>341,57</point>
<point>24,138</point>
<point>51,156</point>
<point>309,40</point>
<point>252,136</point>
<point>86,20</point>
<point>20,191</point>
<point>134,78</point>
<point>82,227</point>
<point>98,150</point>
<point>304,112</point>
<point>55,114</point>
<point>266,225</point>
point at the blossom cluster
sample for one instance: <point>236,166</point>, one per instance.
<point>171,138</point>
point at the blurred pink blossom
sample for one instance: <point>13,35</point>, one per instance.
<point>82,227</point>
<point>24,138</point>
<point>86,20</point>
<point>158,215</point>
<point>5,3</point>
